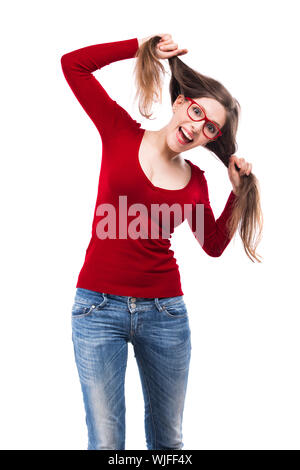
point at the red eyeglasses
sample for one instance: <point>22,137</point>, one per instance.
<point>197,113</point>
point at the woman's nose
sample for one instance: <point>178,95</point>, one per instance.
<point>198,127</point>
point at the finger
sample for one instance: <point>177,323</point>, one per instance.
<point>167,47</point>
<point>164,37</point>
<point>165,41</point>
<point>176,53</point>
<point>182,51</point>
<point>242,164</point>
<point>246,169</point>
<point>233,160</point>
<point>242,170</point>
<point>234,164</point>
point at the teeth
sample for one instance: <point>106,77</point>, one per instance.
<point>184,132</point>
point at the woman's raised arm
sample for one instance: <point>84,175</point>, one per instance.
<point>78,67</point>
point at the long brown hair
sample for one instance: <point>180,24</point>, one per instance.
<point>149,73</point>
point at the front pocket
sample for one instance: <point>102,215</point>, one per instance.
<point>79,310</point>
<point>175,309</point>
<point>82,307</point>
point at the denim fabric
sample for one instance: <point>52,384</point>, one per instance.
<point>158,328</point>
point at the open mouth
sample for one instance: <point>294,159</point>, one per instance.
<point>182,136</point>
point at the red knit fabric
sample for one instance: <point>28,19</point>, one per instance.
<point>141,267</point>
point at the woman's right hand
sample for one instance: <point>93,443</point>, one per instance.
<point>166,47</point>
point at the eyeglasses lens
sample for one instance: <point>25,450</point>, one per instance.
<point>210,129</point>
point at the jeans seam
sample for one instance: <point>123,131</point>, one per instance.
<point>172,303</point>
<point>146,383</point>
<point>174,316</point>
<point>89,309</point>
<point>82,315</point>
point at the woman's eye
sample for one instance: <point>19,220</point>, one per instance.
<point>211,128</point>
<point>197,111</point>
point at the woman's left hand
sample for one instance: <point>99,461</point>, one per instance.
<point>167,47</point>
<point>234,175</point>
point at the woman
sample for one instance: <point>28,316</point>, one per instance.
<point>129,288</point>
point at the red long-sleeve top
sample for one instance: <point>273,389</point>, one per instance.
<point>124,264</point>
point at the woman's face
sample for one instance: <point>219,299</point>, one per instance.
<point>214,111</point>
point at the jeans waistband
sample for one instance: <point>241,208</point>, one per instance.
<point>131,301</point>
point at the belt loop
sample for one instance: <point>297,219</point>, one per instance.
<point>158,306</point>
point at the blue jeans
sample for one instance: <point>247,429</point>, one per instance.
<point>158,328</point>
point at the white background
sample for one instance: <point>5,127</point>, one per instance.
<point>243,390</point>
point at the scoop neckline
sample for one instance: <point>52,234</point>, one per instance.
<point>157,188</point>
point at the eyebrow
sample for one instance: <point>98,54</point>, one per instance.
<point>216,123</point>
<point>211,119</point>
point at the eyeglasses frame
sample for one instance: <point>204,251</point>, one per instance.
<point>205,118</point>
